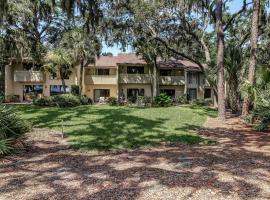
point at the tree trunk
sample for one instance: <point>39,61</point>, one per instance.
<point>63,80</point>
<point>253,53</point>
<point>234,96</point>
<point>220,61</point>
<point>81,77</point>
<point>155,81</point>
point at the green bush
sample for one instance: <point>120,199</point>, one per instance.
<point>12,98</point>
<point>66,100</point>
<point>44,101</point>
<point>63,100</point>
<point>163,100</point>
<point>143,101</point>
<point>112,101</point>
<point>85,100</point>
<point>181,100</point>
<point>202,102</point>
<point>261,111</point>
<point>11,127</point>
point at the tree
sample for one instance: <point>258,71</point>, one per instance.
<point>83,47</point>
<point>220,60</point>
<point>180,27</point>
<point>59,61</point>
<point>253,53</point>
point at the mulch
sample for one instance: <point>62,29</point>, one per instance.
<point>236,167</point>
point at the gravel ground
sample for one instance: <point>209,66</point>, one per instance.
<point>237,167</point>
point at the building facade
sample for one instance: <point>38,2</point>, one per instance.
<point>126,75</point>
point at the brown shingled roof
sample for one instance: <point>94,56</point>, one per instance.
<point>132,58</point>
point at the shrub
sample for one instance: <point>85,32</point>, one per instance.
<point>143,101</point>
<point>85,100</point>
<point>43,101</point>
<point>261,111</point>
<point>112,101</point>
<point>202,102</point>
<point>163,100</point>
<point>63,100</point>
<point>66,100</point>
<point>12,98</point>
<point>181,100</point>
<point>75,90</point>
<point>11,127</point>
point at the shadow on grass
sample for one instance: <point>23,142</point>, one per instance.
<point>106,128</point>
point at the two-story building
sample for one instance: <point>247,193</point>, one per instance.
<point>124,75</point>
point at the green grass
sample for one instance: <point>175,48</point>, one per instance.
<point>107,128</point>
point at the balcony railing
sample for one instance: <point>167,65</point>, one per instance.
<point>29,76</point>
<point>171,80</point>
<point>100,79</point>
<point>135,78</point>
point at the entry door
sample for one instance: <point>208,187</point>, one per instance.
<point>192,94</point>
<point>101,93</point>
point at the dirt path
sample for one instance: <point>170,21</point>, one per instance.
<point>238,167</point>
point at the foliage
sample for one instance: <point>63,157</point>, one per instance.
<point>112,101</point>
<point>12,98</point>
<point>202,102</point>
<point>143,101</point>
<point>11,127</point>
<point>261,111</point>
<point>63,100</point>
<point>180,100</point>
<point>163,100</point>
<point>85,100</point>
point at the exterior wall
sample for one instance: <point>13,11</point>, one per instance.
<point>16,88</point>
<point>179,90</point>
<point>147,89</point>
<point>115,87</point>
<point>89,90</point>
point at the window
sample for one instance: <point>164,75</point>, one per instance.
<point>192,78</point>
<point>132,94</point>
<point>103,72</point>
<point>169,92</point>
<point>135,70</point>
<point>192,94</point>
<point>207,93</point>
<point>58,89</point>
<point>101,93</point>
<point>31,91</point>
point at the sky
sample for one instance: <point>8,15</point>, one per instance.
<point>234,6</point>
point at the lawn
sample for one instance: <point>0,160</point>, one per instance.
<point>106,128</point>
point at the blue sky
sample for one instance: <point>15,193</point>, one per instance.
<point>234,6</point>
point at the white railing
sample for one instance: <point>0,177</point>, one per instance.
<point>29,76</point>
<point>135,78</point>
<point>100,79</point>
<point>172,80</point>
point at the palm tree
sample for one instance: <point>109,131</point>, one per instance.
<point>234,62</point>
<point>83,47</point>
<point>59,61</point>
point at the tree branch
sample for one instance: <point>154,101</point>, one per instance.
<point>231,20</point>
<point>180,54</point>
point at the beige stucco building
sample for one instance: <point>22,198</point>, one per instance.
<point>126,76</point>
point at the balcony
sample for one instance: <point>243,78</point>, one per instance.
<point>100,80</point>
<point>172,80</point>
<point>135,78</point>
<point>29,76</point>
